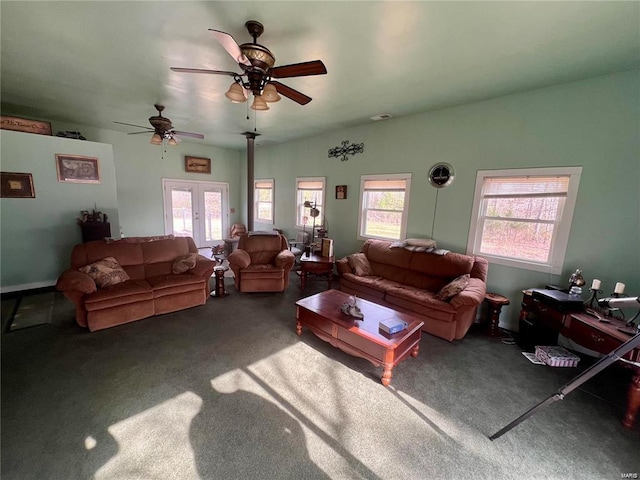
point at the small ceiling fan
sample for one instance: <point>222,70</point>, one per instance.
<point>162,129</point>
<point>256,62</point>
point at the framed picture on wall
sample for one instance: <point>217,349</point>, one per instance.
<point>197,164</point>
<point>17,185</point>
<point>77,168</point>
<point>341,192</point>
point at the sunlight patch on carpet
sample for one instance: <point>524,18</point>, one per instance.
<point>156,441</point>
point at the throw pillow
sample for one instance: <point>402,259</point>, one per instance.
<point>184,263</point>
<point>399,244</point>
<point>421,242</point>
<point>105,272</point>
<point>453,288</point>
<point>360,265</point>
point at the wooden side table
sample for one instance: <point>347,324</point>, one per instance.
<point>496,302</point>
<point>219,290</point>
<point>313,264</point>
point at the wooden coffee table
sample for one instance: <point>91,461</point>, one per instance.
<point>362,338</point>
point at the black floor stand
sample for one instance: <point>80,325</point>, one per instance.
<point>604,362</point>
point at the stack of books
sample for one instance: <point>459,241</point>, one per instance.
<point>326,247</point>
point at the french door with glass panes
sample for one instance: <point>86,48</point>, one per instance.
<point>196,209</point>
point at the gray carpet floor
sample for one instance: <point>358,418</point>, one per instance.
<point>229,391</point>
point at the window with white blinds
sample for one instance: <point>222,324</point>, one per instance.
<point>263,200</point>
<point>309,189</point>
<point>384,205</point>
<point>522,218</point>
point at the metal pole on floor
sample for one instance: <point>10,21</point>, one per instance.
<point>590,372</point>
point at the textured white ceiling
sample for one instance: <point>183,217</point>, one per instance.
<point>93,63</point>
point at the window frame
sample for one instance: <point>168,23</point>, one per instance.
<point>299,208</point>
<point>562,224</point>
<point>256,200</point>
<point>405,210</point>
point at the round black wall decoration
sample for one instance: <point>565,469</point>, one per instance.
<point>441,175</point>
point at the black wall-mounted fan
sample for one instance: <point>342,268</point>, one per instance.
<point>258,72</point>
<point>162,129</point>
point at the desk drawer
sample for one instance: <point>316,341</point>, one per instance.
<point>317,268</point>
<point>545,314</point>
<point>589,338</point>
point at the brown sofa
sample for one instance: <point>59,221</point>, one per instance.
<point>152,287</point>
<point>407,281</point>
<point>261,263</point>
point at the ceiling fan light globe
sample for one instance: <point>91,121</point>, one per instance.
<point>259,103</point>
<point>270,94</point>
<point>156,139</point>
<point>236,93</point>
<point>172,141</point>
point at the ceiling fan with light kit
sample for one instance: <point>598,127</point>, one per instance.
<point>162,129</point>
<point>258,72</point>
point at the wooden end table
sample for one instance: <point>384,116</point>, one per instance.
<point>219,291</point>
<point>316,265</point>
<point>495,301</point>
<point>321,314</point>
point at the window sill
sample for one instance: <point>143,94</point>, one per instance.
<point>522,264</point>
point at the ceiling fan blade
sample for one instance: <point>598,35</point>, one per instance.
<point>132,125</point>
<point>188,134</point>
<point>314,67</point>
<point>231,46</point>
<point>138,133</point>
<point>200,70</point>
<point>289,92</point>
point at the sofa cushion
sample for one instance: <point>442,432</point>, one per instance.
<point>105,272</point>
<point>359,264</point>
<point>371,286</point>
<point>128,292</point>
<point>172,284</point>
<point>420,302</point>
<point>453,288</point>
<point>184,263</point>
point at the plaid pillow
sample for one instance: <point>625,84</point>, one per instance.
<point>105,272</point>
<point>360,265</point>
<point>453,288</point>
<point>184,263</point>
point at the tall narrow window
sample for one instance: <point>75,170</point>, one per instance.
<point>384,206</point>
<point>522,218</point>
<point>263,199</point>
<point>309,189</point>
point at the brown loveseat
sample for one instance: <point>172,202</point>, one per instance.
<point>261,263</point>
<point>150,286</point>
<point>408,281</point>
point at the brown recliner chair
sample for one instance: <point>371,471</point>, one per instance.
<point>261,263</point>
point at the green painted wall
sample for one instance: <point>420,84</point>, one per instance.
<point>593,123</point>
<point>140,168</point>
<point>37,234</point>
<point>131,194</point>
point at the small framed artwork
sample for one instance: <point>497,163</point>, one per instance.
<point>341,192</point>
<point>77,169</point>
<point>17,185</point>
<point>197,164</point>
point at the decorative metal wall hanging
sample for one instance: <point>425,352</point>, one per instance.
<point>345,150</point>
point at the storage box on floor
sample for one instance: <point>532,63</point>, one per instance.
<point>557,356</point>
